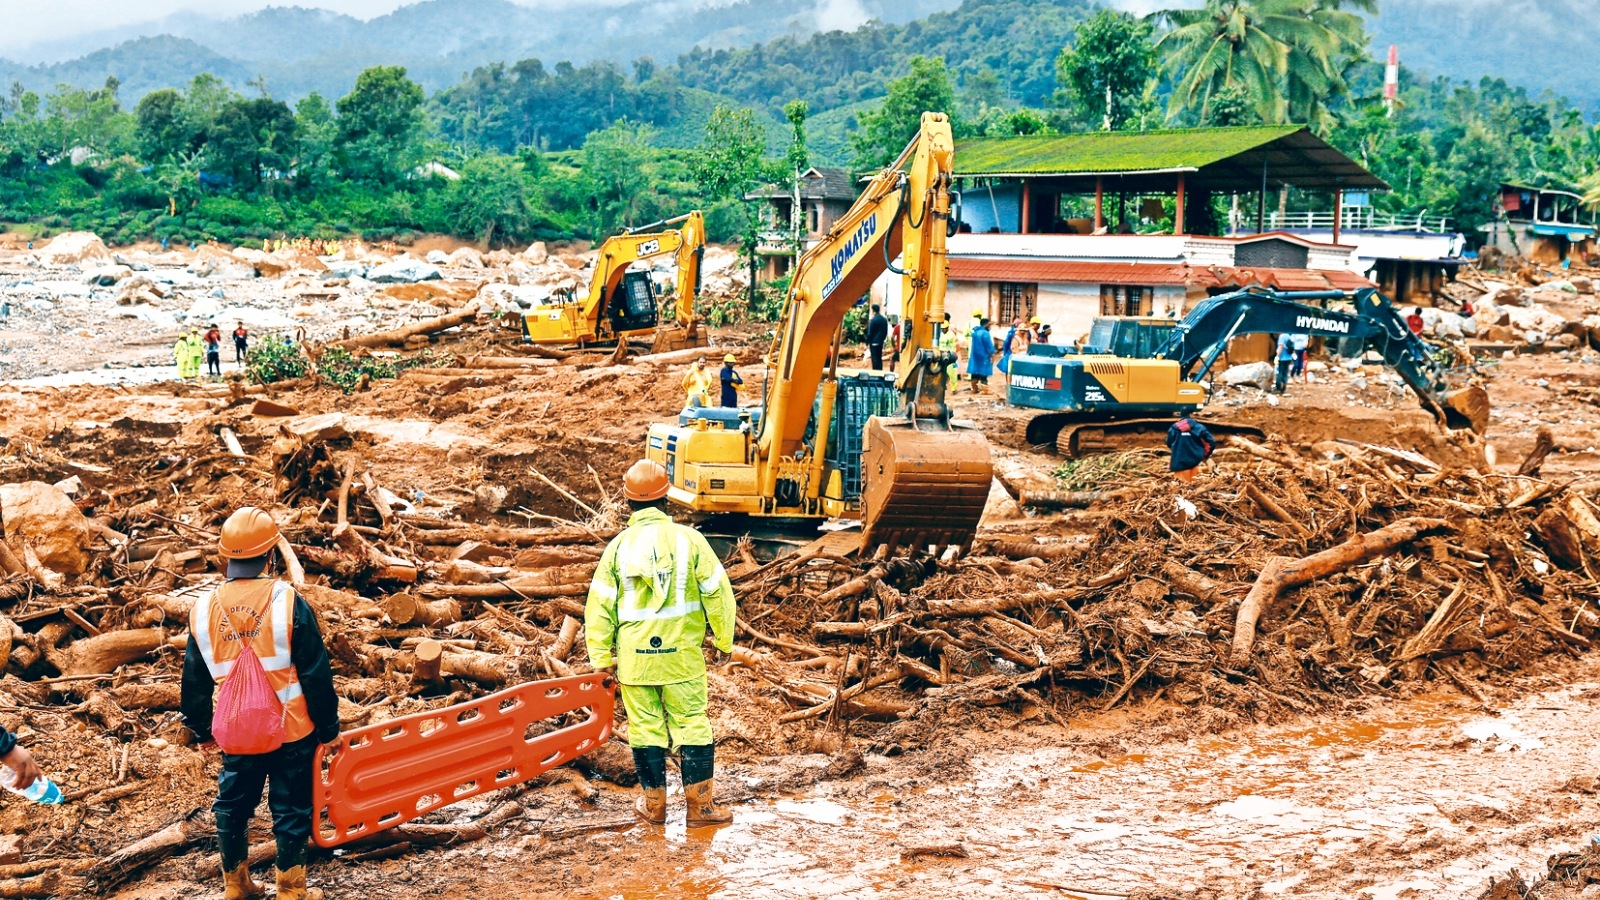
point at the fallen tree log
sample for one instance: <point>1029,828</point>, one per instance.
<point>105,653</point>
<point>515,537</point>
<point>401,335</point>
<point>1281,574</point>
<point>405,609</point>
<point>123,864</point>
<point>511,362</point>
<point>1193,583</point>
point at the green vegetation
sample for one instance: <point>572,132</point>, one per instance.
<point>273,360</point>
<point>514,152</point>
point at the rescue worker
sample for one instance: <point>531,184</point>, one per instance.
<point>730,382</point>
<point>947,344</point>
<point>241,343</point>
<point>656,589</point>
<point>1415,322</point>
<point>282,630</point>
<point>1033,330</point>
<point>1285,358</point>
<point>877,336</point>
<point>1008,347</point>
<point>697,384</point>
<point>1191,444</point>
<point>980,356</point>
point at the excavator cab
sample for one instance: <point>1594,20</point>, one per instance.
<point>632,306</point>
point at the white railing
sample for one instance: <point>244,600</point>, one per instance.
<point>1353,218</point>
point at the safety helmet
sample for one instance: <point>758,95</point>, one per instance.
<point>1035,320</point>
<point>646,480</point>
<point>730,358</point>
<point>977,314</point>
<point>247,534</point>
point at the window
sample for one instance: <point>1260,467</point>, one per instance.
<point>1010,300</point>
<point>814,218</point>
<point>1125,300</point>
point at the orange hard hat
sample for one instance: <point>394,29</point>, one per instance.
<point>646,480</point>
<point>247,534</point>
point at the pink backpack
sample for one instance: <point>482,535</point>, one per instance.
<point>249,717</point>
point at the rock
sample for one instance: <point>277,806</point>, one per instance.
<point>509,298</point>
<point>106,276</point>
<point>311,429</point>
<point>73,247</point>
<point>141,285</point>
<point>498,258</point>
<point>1499,334</point>
<point>467,258</point>
<point>267,408</point>
<point>404,271</point>
<point>266,264</point>
<point>438,257</point>
<point>45,518</point>
<point>11,846</point>
<point>1582,284</point>
<point>135,265</point>
<point>214,262</point>
<point>344,268</point>
<point>537,253</point>
<point>1256,374</point>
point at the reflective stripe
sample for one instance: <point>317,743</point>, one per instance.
<point>712,584</point>
<point>282,606</point>
<point>602,589</point>
<point>289,693</point>
<point>676,610</point>
<point>200,628</point>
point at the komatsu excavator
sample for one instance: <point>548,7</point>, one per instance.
<point>620,303</point>
<point>828,442</point>
<point>1136,373</point>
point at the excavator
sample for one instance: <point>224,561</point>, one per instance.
<point>620,303</point>
<point>1135,374</point>
<point>827,442</point>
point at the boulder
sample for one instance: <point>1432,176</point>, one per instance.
<point>1582,284</point>
<point>43,517</point>
<point>404,271</point>
<point>498,258</point>
<point>1256,374</point>
<point>344,268</point>
<point>214,262</point>
<point>438,257</point>
<point>266,264</point>
<point>510,298</point>
<point>134,264</point>
<point>106,276</point>
<point>467,258</point>
<point>537,253</point>
<point>74,247</point>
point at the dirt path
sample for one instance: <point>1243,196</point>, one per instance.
<point>1425,798</point>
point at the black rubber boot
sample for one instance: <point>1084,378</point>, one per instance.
<point>651,764</point>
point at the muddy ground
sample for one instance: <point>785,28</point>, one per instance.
<point>1303,778</point>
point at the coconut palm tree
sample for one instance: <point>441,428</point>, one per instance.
<point>1287,56</point>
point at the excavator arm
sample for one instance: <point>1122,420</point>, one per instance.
<point>1204,334</point>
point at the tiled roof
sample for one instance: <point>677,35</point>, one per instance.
<point>817,183</point>
<point>1050,271</point>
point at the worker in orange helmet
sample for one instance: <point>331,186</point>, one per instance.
<point>656,590</point>
<point>255,624</point>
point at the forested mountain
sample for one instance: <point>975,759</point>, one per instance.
<point>1540,44</point>
<point>297,51</point>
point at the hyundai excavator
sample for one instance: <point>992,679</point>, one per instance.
<point>1135,374</point>
<point>620,303</point>
<point>828,442</point>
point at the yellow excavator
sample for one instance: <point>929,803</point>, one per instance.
<point>620,303</point>
<point>828,442</point>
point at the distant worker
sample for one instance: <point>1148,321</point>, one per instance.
<point>894,343</point>
<point>241,343</point>
<point>1008,347</point>
<point>1033,330</point>
<point>255,611</point>
<point>730,382</point>
<point>980,358</point>
<point>657,588</point>
<point>947,344</point>
<point>1285,358</point>
<point>1191,444</point>
<point>697,384</point>
<point>1044,333</point>
<point>213,345</point>
<point>1301,343</point>
<point>189,355</point>
<point>877,336</point>
<point>1414,321</point>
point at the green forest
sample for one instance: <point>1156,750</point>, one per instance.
<point>522,150</point>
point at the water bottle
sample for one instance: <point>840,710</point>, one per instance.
<point>43,790</point>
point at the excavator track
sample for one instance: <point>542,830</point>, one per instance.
<point>1076,440</point>
<point>923,488</point>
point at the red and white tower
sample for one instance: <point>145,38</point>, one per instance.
<point>1391,79</point>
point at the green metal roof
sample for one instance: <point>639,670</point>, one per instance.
<point>1220,158</point>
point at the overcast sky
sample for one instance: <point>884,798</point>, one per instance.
<point>26,22</point>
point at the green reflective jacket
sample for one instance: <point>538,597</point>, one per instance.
<point>658,586</point>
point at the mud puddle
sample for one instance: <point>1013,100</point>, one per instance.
<point>1426,799</point>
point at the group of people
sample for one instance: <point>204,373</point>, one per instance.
<point>697,383</point>
<point>985,355</point>
<point>194,347</point>
<point>1291,360</point>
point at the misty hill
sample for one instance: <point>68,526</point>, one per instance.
<point>299,50</point>
<point>1539,44</point>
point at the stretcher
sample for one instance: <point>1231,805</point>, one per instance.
<point>385,775</point>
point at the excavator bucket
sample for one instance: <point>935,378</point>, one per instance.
<point>1467,408</point>
<point>678,337</point>
<point>387,774</point>
<point>923,487</point>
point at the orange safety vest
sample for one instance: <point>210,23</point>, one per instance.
<point>260,611</point>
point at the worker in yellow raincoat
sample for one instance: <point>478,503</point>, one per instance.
<point>657,588</point>
<point>189,354</point>
<point>697,384</point>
